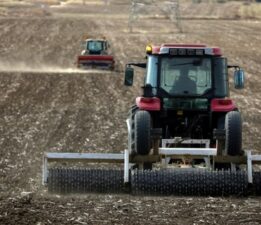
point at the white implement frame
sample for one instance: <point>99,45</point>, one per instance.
<point>250,159</point>
<point>90,157</point>
<point>205,152</point>
<point>166,153</point>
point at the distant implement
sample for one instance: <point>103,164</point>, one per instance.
<point>96,55</point>
<point>184,134</point>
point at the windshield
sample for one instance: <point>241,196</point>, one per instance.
<point>95,46</point>
<point>185,76</point>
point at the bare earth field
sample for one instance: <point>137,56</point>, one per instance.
<point>46,104</point>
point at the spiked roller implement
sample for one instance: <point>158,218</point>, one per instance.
<point>66,180</point>
<point>189,182</point>
<point>160,180</point>
<point>72,180</point>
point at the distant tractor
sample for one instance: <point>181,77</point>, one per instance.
<point>96,55</point>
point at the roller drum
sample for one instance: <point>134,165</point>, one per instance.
<point>257,183</point>
<point>75,180</point>
<point>196,182</point>
<point>189,182</point>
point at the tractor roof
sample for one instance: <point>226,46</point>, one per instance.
<point>183,49</point>
<point>95,39</point>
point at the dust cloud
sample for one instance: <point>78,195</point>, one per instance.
<point>44,68</point>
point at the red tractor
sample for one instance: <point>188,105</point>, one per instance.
<point>96,55</point>
<point>185,98</point>
<point>184,134</point>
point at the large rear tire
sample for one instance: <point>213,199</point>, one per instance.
<point>142,132</point>
<point>233,127</point>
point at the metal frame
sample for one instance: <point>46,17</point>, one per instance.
<point>129,134</point>
<point>188,151</point>
<point>179,152</point>
<point>89,157</point>
<point>164,153</point>
<point>177,140</point>
<point>126,166</point>
<point>250,159</point>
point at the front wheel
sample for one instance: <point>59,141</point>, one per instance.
<point>142,132</point>
<point>233,127</point>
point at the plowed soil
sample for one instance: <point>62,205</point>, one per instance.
<point>46,104</point>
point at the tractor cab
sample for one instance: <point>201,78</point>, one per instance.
<point>185,71</point>
<point>95,47</point>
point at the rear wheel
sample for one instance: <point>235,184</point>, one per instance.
<point>233,127</point>
<point>142,132</point>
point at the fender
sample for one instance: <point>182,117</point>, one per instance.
<point>222,105</point>
<point>149,104</point>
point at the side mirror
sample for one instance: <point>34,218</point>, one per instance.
<point>239,78</point>
<point>129,72</point>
